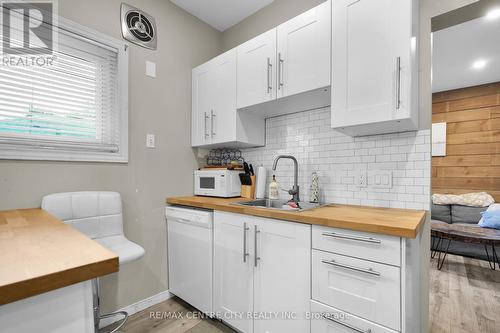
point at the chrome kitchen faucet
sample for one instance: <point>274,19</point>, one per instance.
<point>295,189</point>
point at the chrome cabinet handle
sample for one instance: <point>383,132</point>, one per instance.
<point>280,71</point>
<point>350,237</point>
<point>206,133</point>
<point>352,268</point>
<point>398,83</point>
<point>269,75</point>
<point>354,328</point>
<point>245,253</point>
<point>212,116</point>
<point>257,258</point>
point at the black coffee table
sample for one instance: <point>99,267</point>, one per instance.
<point>442,232</point>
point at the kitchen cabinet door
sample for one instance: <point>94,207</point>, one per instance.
<point>215,120</point>
<point>223,113</point>
<point>233,272</point>
<point>304,51</point>
<point>256,68</point>
<point>363,288</point>
<point>202,104</point>
<point>281,275</point>
<point>372,63</point>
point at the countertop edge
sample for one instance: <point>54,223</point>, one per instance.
<point>404,232</point>
<point>32,287</point>
<point>33,225</point>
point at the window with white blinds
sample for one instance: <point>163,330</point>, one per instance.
<point>73,109</point>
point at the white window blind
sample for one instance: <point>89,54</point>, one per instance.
<point>73,105</point>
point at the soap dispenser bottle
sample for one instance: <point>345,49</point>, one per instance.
<point>274,189</point>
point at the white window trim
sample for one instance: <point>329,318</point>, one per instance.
<point>41,153</point>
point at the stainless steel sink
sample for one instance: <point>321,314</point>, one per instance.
<point>277,204</point>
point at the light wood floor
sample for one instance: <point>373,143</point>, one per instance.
<point>172,316</point>
<point>464,298</point>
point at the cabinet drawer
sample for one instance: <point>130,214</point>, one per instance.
<point>363,288</point>
<point>330,320</point>
<point>363,245</point>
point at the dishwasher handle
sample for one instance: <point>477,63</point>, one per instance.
<point>204,223</point>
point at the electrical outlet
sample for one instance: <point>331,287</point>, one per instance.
<point>150,140</point>
<point>361,179</point>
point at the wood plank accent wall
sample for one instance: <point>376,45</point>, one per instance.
<point>472,161</point>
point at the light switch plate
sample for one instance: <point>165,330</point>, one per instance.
<point>380,178</point>
<point>150,69</point>
<point>150,140</point>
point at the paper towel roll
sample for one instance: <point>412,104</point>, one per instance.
<point>260,191</point>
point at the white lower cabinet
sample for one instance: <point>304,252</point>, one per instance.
<point>273,276</point>
<point>233,272</point>
<point>330,320</point>
<point>367,289</point>
<point>282,275</point>
<point>262,273</point>
<point>380,248</point>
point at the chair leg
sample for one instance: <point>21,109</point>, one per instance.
<point>96,303</point>
<point>112,314</point>
<point>97,310</point>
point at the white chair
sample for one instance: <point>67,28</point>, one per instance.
<point>99,216</point>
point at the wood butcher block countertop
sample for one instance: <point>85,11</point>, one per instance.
<point>39,253</point>
<point>389,221</point>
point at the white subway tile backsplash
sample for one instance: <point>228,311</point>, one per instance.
<point>337,159</point>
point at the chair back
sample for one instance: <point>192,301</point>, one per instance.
<point>96,214</point>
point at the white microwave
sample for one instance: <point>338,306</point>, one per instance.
<point>217,183</point>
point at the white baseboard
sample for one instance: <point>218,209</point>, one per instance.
<point>138,306</point>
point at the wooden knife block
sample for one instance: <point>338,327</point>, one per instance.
<point>248,191</point>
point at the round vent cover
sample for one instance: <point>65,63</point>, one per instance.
<point>138,27</point>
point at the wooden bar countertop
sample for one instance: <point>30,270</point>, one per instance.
<point>388,221</point>
<point>39,253</point>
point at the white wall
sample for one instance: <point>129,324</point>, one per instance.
<point>277,12</point>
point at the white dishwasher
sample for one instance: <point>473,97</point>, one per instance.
<point>190,249</point>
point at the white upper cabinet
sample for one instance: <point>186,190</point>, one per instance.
<point>284,70</point>
<point>287,69</point>
<point>202,101</point>
<point>215,120</point>
<point>304,44</point>
<point>223,115</point>
<point>257,70</point>
<point>374,77</point>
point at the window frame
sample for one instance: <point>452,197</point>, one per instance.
<point>35,152</point>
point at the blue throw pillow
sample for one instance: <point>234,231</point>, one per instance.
<point>491,219</point>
